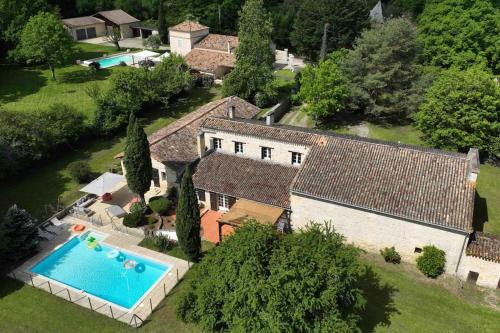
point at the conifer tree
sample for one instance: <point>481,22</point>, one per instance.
<point>188,218</point>
<point>137,159</point>
<point>19,234</point>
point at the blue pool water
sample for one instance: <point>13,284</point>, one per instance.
<point>91,270</point>
<point>115,61</point>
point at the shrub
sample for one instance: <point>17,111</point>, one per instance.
<point>164,243</point>
<point>391,255</point>
<point>95,65</point>
<point>132,220</point>
<point>152,42</point>
<point>19,234</point>
<point>432,261</point>
<point>123,63</point>
<point>136,207</point>
<point>80,171</point>
<point>160,204</point>
<point>261,100</point>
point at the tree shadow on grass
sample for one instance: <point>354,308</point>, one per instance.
<point>83,75</point>
<point>18,82</point>
<point>9,286</point>
<point>480,213</point>
<point>379,301</point>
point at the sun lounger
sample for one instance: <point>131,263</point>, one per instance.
<point>45,235</point>
<point>58,223</point>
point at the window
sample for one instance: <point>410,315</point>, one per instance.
<point>238,147</point>
<point>418,250</point>
<point>223,202</point>
<point>163,176</point>
<point>472,277</point>
<point>266,153</point>
<point>296,158</point>
<point>217,143</point>
<point>201,195</point>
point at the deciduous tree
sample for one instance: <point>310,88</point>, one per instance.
<point>461,33</point>
<point>137,159</point>
<point>461,110</point>
<point>114,35</point>
<point>188,218</point>
<point>253,71</point>
<point>45,40</point>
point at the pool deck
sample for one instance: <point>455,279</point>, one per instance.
<point>134,316</point>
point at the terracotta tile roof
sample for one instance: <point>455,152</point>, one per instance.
<point>177,143</point>
<point>208,61</point>
<point>117,16</point>
<point>218,42</point>
<point>81,21</point>
<point>245,178</point>
<point>414,183</point>
<point>188,26</point>
<point>484,246</point>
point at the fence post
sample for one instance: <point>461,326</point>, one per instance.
<point>111,310</point>
<point>135,321</point>
<point>31,278</point>
<point>69,295</point>
<point>151,305</point>
<point>50,288</point>
<point>90,303</point>
<point>177,270</point>
<point>14,275</point>
<point>165,290</point>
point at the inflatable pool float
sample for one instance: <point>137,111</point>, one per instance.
<point>129,264</point>
<point>112,254</point>
<point>78,228</point>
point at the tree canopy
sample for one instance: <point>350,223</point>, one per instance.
<point>461,33</point>
<point>381,70</point>
<point>461,110</point>
<point>45,40</point>
<point>137,159</point>
<point>255,281</point>
<point>253,70</point>
<point>347,18</point>
<point>188,218</point>
<point>19,233</point>
<point>323,88</point>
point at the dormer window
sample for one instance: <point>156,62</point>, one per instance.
<point>296,158</point>
<point>217,143</point>
<point>238,147</point>
<point>266,153</point>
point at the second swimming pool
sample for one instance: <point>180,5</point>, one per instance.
<point>113,275</point>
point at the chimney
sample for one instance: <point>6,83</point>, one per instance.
<point>270,119</point>
<point>201,144</point>
<point>228,48</point>
<point>231,110</point>
<point>472,166</point>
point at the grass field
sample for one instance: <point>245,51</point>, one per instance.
<point>49,181</point>
<point>32,88</point>
<point>399,299</point>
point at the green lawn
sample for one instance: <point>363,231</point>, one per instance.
<point>35,189</point>
<point>176,251</point>
<point>32,88</point>
<point>399,299</point>
<point>488,199</point>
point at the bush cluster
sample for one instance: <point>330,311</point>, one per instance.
<point>80,172</point>
<point>164,243</point>
<point>134,219</point>
<point>432,261</point>
<point>136,207</point>
<point>160,205</point>
<point>391,255</point>
<point>26,137</point>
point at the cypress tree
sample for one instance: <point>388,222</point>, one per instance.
<point>162,30</point>
<point>137,160</point>
<point>20,234</point>
<point>188,218</point>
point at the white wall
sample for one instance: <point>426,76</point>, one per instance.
<point>374,231</point>
<point>280,152</point>
<point>183,42</point>
<point>489,271</point>
<point>126,31</point>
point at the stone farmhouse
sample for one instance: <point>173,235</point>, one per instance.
<point>377,194</point>
<point>204,52</point>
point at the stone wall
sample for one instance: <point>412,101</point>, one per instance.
<point>489,271</point>
<point>375,231</point>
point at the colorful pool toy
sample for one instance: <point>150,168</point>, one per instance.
<point>129,264</point>
<point>92,243</point>
<point>78,228</point>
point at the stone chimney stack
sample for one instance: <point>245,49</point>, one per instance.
<point>231,110</point>
<point>472,166</point>
<point>270,119</point>
<point>228,48</point>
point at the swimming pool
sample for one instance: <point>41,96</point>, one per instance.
<point>116,276</point>
<point>115,61</point>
